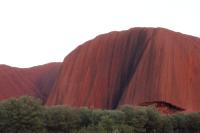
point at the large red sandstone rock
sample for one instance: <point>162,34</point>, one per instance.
<point>36,81</point>
<point>137,66</point>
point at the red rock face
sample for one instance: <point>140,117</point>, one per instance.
<point>35,81</point>
<point>168,71</point>
<point>131,67</point>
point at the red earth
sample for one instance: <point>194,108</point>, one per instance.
<point>132,67</point>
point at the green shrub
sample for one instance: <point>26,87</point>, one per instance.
<point>126,129</point>
<point>154,120</point>
<point>96,116</point>
<point>85,117</point>
<point>136,117</point>
<point>166,125</point>
<point>62,119</point>
<point>21,115</point>
<point>27,115</point>
<point>192,121</point>
<point>92,129</point>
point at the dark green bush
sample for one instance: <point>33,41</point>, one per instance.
<point>62,119</point>
<point>192,122</point>
<point>85,117</point>
<point>21,115</point>
<point>27,115</point>
<point>92,129</point>
<point>154,120</point>
<point>136,117</point>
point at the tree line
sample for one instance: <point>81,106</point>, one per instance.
<point>28,115</point>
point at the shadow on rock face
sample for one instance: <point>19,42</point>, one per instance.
<point>163,107</point>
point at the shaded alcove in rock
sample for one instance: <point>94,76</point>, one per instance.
<point>163,106</point>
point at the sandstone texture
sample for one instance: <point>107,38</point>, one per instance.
<point>36,81</point>
<point>139,67</point>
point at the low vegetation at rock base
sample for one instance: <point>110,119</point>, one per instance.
<point>28,115</point>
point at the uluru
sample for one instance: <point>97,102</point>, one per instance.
<point>139,67</point>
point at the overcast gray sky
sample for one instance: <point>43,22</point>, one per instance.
<point>34,32</point>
